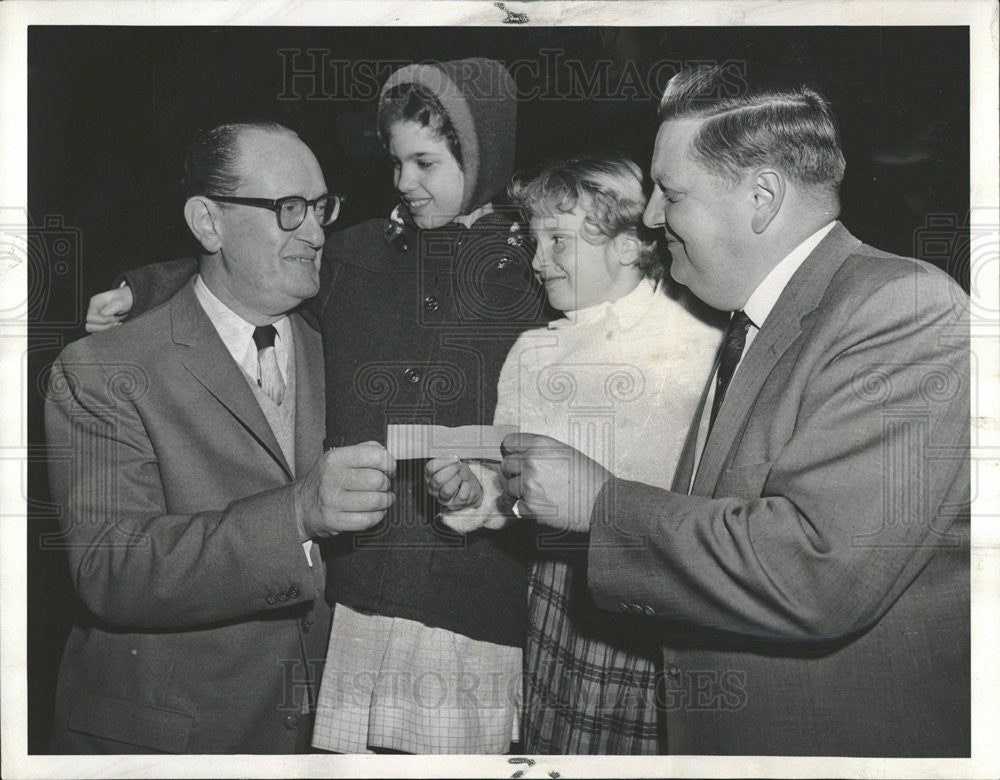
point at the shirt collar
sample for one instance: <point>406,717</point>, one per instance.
<point>763,299</point>
<point>236,333</point>
<point>468,220</point>
<point>627,309</point>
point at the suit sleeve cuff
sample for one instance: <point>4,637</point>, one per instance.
<point>618,547</point>
<point>276,573</point>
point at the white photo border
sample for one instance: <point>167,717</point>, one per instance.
<point>980,16</point>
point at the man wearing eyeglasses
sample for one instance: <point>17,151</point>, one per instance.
<point>194,482</point>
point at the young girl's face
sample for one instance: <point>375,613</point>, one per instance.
<point>575,272</point>
<point>426,174</point>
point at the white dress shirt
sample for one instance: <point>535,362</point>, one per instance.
<point>757,308</point>
<point>237,334</point>
<point>762,300</point>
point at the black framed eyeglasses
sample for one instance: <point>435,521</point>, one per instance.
<point>291,210</point>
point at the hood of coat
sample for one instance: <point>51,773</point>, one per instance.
<point>480,98</point>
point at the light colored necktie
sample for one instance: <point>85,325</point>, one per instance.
<point>269,377</point>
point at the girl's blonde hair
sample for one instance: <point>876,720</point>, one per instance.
<point>609,189</point>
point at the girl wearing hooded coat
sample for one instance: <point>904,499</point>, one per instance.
<point>425,652</point>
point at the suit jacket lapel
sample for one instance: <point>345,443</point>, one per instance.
<point>686,465</point>
<point>210,363</point>
<point>310,398</point>
<point>783,325</point>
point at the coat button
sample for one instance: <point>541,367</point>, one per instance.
<point>292,722</point>
<point>636,609</point>
<point>649,610</point>
<point>270,598</point>
<point>282,596</point>
<point>503,262</point>
<point>412,375</point>
<point>293,592</point>
<point>431,303</point>
<point>624,607</point>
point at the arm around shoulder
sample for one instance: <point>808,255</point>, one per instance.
<point>156,283</point>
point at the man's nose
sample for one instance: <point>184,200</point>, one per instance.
<point>653,215</point>
<point>311,231</point>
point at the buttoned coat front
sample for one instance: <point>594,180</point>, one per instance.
<point>415,330</point>
<point>204,626</point>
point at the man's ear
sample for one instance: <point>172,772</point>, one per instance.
<point>768,194</point>
<point>627,248</point>
<point>201,215</point>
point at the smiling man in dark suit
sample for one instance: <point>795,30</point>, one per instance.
<point>197,482</point>
<point>811,588</point>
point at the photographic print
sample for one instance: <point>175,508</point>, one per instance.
<point>499,389</point>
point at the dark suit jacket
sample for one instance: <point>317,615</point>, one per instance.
<point>206,622</point>
<point>813,591</point>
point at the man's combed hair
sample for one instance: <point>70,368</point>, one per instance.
<point>410,102</point>
<point>211,161</point>
<point>791,129</point>
<point>609,189</point>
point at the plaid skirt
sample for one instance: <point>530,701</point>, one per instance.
<point>589,675</point>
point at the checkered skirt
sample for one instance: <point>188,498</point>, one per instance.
<point>397,684</point>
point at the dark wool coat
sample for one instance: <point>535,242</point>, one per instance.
<point>416,331</point>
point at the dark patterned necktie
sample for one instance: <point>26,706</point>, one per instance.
<point>270,381</point>
<point>732,350</point>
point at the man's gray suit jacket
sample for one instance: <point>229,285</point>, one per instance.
<point>812,593</point>
<point>205,625</point>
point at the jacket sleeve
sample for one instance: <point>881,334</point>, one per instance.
<point>133,563</point>
<point>852,507</point>
<point>156,283</point>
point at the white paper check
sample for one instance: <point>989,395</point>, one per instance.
<point>469,442</point>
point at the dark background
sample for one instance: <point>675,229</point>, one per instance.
<point>110,109</point>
